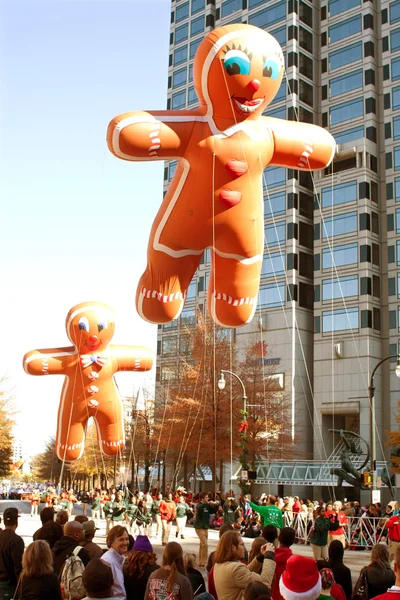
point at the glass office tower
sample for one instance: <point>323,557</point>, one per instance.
<point>328,306</point>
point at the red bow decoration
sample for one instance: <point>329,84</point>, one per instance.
<point>243,427</point>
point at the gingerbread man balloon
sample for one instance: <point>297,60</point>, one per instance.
<point>215,199</point>
<point>89,388</point>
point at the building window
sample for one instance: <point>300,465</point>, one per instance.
<point>180,55</point>
<point>339,287</point>
<point>305,13</point>
<point>169,345</point>
<point>172,169</point>
<point>230,6</point>
<point>345,29</point>
<point>179,99</point>
<point>345,56</point>
<point>272,295</point>
<point>394,11</point>
<point>274,204</point>
<point>396,98</point>
<point>346,111</point>
<point>197,26</point>
<point>305,39</point>
<point>395,69</point>
<point>181,33</point>
<point>396,158</point>
<point>277,113</point>
<point>268,16</point>
<point>193,47</point>
<point>281,93</point>
<point>355,133</point>
<point>273,264</point>
<point>197,5</point>
<point>280,35</point>
<point>275,176</point>
<point>182,12</point>
<point>346,83</point>
<point>191,291</point>
<point>192,96</point>
<point>395,40</point>
<point>338,6</point>
<point>185,344</point>
<point>340,225</point>
<point>170,326</point>
<point>188,317</point>
<point>275,234</point>
<point>396,128</point>
<point>340,320</point>
<point>339,194</point>
<point>340,256</point>
<point>179,78</point>
<point>306,66</point>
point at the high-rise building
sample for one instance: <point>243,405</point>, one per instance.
<point>329,306</point>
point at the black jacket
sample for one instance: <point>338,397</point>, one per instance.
<point>342,577</point>
<point>51,532</point>
<point>197,580</point>
<point>136,588</point>
<point>379,580</point>
<point>64,548</point>
<point>41,588</point>
<point>11,551</point>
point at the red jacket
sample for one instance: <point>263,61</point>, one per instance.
<point>167,510</point>
<point>393,526</point>
<point>342,521</point>
<point>391,594</point>
<point>337,592</point>
<point>211,584</point>
<point>281,558</point>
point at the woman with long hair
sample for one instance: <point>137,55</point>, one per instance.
<point>195,577</point>
<point>170,580</point>
<point>38,580</point>
<point>378,576</point>
<point>256,547</point>
<point>138,567</point>
<point>231,576</point>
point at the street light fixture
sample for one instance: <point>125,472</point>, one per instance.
<point>371,394</point>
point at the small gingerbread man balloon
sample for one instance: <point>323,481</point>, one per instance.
<point>89,388</point>
<point>215,199</point>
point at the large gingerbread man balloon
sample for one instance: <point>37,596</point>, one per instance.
<point>215,199</point>
<point>89,388</point>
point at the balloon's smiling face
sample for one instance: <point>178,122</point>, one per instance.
<point>244,75</point>
<point>91,328</point>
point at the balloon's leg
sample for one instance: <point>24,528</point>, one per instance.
<point>110,427</point>
<point>70,442</point>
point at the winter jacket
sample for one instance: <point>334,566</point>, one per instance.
<point>271,515</point>
<point>167,510</point>
<point>231,578</point>
<point>393,527</point>
<point>203,512</point>
<point>379,580</point>
<point>342,577</point>
<point>63,548</point>
<point>51,532</point>
<point>11,551</point>
<point>341,517</point>
<point>197,580</point>
<point>41,588</point>
<point>281,557</point>
<point>322,525</point>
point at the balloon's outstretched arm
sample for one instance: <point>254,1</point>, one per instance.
<point>143,135</point>
<point>301,145</point>
<point>47,362</point>
<point>133,358</point>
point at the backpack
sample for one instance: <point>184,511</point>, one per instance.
<point>71,576</point>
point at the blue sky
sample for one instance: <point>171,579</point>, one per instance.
<point>75,220</point>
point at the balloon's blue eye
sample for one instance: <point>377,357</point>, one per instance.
<point>271,68</point>
<point>83,324</point>
<point>237,62</point>
<point>102,325</point>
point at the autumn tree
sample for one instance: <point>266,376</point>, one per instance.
<point>7,413</point>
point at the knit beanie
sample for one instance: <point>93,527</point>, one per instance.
<point>142,542</point>
<point>301,579</point>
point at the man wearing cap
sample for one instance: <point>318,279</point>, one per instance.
<point>91,548</point>
<point>11,551</point>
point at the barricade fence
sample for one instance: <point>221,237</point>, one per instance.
<point>360,532</point>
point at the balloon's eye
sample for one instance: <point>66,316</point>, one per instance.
<point>271,68</point>
<point>236,62</point>
<point>83,324</point>
<point>102,325</point>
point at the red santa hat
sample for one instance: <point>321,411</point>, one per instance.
<point>301,579</point>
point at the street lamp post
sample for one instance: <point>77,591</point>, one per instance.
<point>371,394</point>
<point>243,425</point>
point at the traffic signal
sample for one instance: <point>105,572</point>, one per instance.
<point>367,480</point>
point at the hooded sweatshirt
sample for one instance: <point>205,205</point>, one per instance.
<point>167,510</point>
<point>281,556</point>
<point>64,548</point>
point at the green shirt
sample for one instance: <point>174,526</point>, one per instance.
<point>322,525</point>
<point>229,512</point>
<point>203,512</point>
<point>181,509</point>
<point>271,515</point>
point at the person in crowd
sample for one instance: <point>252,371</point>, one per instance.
<point>195,577</point>
<point>96,508</point>
<point>256,547</point>
<point>117,544</point>
<point>255,590</point>
<point>138,567</point>
<point>210,561</point>
<point>50,530</point>
<point>348,510</point>
<point>300,579</point>
<point>319,535</point>
<point>73,536</point>
<point>357,509</point>
<point>341,573</point>
<point>202,524</point>
<point>108,509</point>
<point>81,519</point>
<point>231,576</point>
<point>337,514</point>
<point>270,533</point>
<point>393,593</point>
<point>11,551</point>
<point>270,513</point>
<point>39,582</point>
<point>170,581</point>
<point>156,512</point>
<point>327,582</point>
<point>377,577</point>
<point>282,554</point>
<point>229,509</point>
<point>182,510</point>
<point>393,529</point>
<point>62,518</point>
<point>35,501</point>
<point>167,510</point>
<point>98,580</point>
<point>94,550</point>
<point>85,499</point>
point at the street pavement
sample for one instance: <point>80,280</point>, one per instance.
<point>28,525</point>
